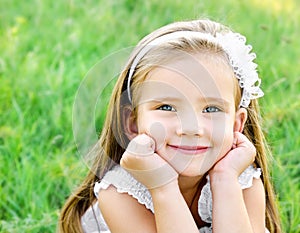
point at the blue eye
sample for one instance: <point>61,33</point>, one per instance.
<point>166,107</point>
<point>211,109</point>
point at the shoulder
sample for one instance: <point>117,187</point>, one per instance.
<point>254,198</point>
<point>124,182</point>
<point>123,213</point>
<point>255,195</point>
<point>253,188</point>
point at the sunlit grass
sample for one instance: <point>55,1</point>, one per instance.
<point>277,7</point>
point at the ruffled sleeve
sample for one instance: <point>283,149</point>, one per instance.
<point>125,183</point>
<point>92,221</point>
<point>205,200</point>
<point>246,178</point>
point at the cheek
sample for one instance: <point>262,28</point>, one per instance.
<point>158,129</point>
<point>222,135</point>
<point>158,132</point>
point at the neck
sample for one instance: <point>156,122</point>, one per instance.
<point>189,187</point>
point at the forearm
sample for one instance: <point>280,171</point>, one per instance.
<point>229,210</point>
<point>171,212</point>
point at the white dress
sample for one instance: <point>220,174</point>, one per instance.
<point>92,221</point>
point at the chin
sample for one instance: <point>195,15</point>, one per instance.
<point>195,170</point>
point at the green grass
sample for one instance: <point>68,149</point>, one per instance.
<point>47,47</point>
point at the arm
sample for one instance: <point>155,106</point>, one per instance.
<point>171,212</point>
<point>255,202</point>
<point>123,214</point>
<point>235,210</point>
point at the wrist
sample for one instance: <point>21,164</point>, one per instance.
<point>169,188</point>
<point>226,178</point>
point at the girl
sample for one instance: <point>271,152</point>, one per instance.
<point>182,149</point>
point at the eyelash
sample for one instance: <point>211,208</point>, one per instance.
<point>216,109</point>
<point>208,109</point>
<point>163,106</point>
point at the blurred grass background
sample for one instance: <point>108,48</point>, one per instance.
<point>47,47</point>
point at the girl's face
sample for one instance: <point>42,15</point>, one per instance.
<point>188,108</point>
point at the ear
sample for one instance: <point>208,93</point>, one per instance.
<point>240,120</point>
<point>129,122</point>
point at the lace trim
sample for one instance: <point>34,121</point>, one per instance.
<point>205,200</point>
<point>125,183</point>
<point>205,230</point>
<point>93,222</point>
<point>246,178</point>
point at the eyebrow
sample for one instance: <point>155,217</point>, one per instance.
<point>159,100</point>
<point>175,99</point>
<point>163,99</point>
<point>218,99</point>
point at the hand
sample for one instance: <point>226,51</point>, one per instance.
<point>238,158</point>
<point>145,165</point>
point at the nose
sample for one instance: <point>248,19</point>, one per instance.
<point>190,124</point>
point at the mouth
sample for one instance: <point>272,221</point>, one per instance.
<point>193,150</point>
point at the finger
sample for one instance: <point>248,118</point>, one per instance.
<point>234,143</point>
<point>141,145</point>
<point>241,140</point>
<point>155,177</point>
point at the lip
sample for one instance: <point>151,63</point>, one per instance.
<point>193,150</point>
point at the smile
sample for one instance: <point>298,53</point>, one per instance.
<point>189,149</point>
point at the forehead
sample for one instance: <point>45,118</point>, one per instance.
<point>191,77</point>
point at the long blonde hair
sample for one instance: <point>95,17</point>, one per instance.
<point>112,142</point>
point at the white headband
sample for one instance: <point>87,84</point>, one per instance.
<point>239,54</point>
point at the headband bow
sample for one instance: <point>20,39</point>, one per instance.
<point>234,45</point>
